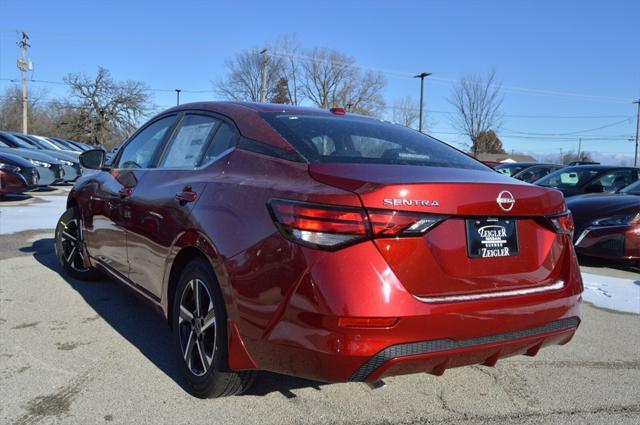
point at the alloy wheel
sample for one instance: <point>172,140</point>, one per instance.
<point>72,244</point>
<point>197,327</point>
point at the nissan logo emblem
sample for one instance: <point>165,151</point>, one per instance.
<point>505,200</point>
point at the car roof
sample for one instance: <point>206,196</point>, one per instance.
<point>598,167</point>
<point>246,117</point>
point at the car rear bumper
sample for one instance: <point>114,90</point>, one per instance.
<point>308,339</point>
<point>435,356</point>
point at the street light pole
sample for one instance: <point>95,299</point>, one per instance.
<point>178,96</point>
<point>263,85</point>
<point>422,76</point>
<point>635,157</point>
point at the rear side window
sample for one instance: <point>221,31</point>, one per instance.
<point>189,142</point>
<point>222,140</point>
<point>325,138</point>
<point>141,150</point>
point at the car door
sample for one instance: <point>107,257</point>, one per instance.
<point>109,215</point>
<point>163,200</point>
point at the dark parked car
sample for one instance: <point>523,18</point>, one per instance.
<point>527,171</point>
<point>608,225</point>
<point>69,160</point>
<point>581,179</point>
<point>16,174</point>
<point>49,169</point>
<point>320,244</point>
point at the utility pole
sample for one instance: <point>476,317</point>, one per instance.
<point>422,77</point>
<point>178,96</point>
<point>635,157</point>
<point>24,65</point>
<point>263,86</point>
<point>579,147</point>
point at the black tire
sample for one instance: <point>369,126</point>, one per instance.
<point>200,336</point>
<point>69,246</point>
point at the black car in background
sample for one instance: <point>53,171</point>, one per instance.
<point>582,179</point>
<point>527,171</point>
<point>608,225</point>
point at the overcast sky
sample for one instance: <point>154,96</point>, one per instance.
<point>569,69</point>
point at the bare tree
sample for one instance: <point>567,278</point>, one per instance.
<point>107,109</point>
<point>288,49</point>
<point>244,78</point>
<point>332,79</point>
<point>41,116</point>
<point>406,111</point>
<point>477,102</point>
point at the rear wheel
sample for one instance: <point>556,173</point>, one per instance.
<point>200,335</point>
<point>70,248</point>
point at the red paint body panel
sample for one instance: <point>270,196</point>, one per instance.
<point>11,183</point>
<point>284,300</point>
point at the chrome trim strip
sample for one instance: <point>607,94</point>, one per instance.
<point>584,233</point>
<point>487,295</point>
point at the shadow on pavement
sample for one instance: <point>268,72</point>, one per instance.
<point>140,324</point>
<point>612,264</point>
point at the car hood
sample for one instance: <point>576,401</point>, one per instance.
<point>586,208</point>
<point>31,154</point>
<point>16,160</point>
<point>64,155</point>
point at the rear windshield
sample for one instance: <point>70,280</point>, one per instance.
<point>323,138</point>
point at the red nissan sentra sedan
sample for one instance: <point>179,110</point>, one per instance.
<point>323,245</point>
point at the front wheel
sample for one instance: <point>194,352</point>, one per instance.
<point>70,248</point>
<point>200,335</point>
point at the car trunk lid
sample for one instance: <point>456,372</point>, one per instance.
<point>439,263</point>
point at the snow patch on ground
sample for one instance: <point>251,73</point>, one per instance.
<point>33,216</point>
<point>613,293</point>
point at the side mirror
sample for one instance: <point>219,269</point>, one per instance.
<point>93,159</point>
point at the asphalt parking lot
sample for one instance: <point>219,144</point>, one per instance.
<point>76,352</point>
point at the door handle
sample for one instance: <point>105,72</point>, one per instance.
<point>125,191</point>
<point>184,197</point>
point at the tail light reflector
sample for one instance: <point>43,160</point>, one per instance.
<point>367,322</point>
<point>332,227</point>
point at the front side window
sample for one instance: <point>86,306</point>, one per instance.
<point>190,141</point>
<point>141,150</point>
<point>327,138</point>
<point>616,180</point>
<point>568,178</point>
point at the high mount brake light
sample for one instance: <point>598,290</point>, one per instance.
<point>562,223</point>
<point>332,227</point>
<point>338,111</point>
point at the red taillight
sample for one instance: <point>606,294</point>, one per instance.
<point>332,227</point>
<point>337,111</point>
<point>320,226</point>
<point>562,223</point>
